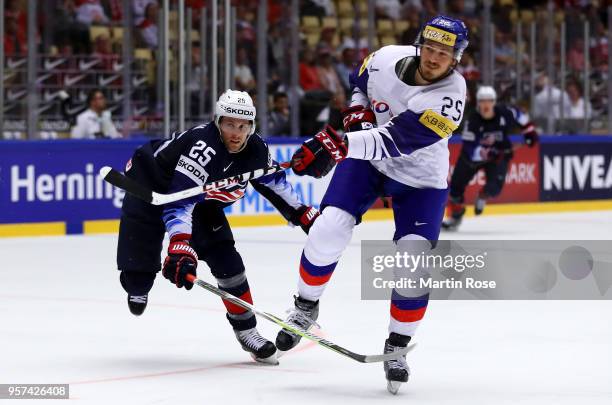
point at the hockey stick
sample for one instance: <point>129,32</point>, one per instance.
<point>131,186</point>
<point>362,358</point>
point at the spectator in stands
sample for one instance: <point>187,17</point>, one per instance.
<point>501,13</point>
<point>113,9</point>
<point>329,78</point>
<point>468,68</point>
<point>195,84</point>
<point>278,118</point>
<point>139,10</point>
<point>95,122</point>
<point>90,12</point>
<point>15,9</point>
<point>576,108</point>
<point>599,46</point>
<point>390,9</point>
<point>575,55</point>
<point>71,36</point>
<point>504,50</point>
<point>243,74</point>
<point>15,41</point>
<point>276,50</point>
<point>328,6</point>
<point>147,28</point>
<point>429,9</point>
<point>574,24</point>
<point>245,30</point>
<point>103,49</point>
<point>543,107</point>
<point>345,67</point>
<point>326,40</point>
<point>458,8</point>
<point>317,8</point>
<point>409,35</point>
<point>309,77</point>
<point>361,47</point>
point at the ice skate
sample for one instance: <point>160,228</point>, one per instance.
<point>452,223</point>
<point>479,205</point>
<point>261,349</point>
<point>303,315</point>
<point>396,371</point>
<point>137,303</point>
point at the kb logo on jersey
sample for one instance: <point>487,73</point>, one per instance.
<point>380,106</point>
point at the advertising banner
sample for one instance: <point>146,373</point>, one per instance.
<point>576,170</point>
<point>48,181</point>
<point>58,181</point>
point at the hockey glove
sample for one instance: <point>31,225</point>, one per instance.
<point>181,260</point>
<point>358,118</point>
<point>318,155</point>
<point>530,135</point>
<point>304,217</point>
<point>495,155</point>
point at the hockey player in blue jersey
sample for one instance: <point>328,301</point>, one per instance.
<point>486,146</point>
<point>406,102</point>
<point>197,227</point>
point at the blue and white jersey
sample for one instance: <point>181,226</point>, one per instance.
<point>410,143</point>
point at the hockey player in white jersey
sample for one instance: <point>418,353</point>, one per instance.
<point>406,102</point>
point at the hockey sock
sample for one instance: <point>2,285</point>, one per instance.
<point>238,317</point>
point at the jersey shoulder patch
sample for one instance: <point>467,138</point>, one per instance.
<point>364,65</point>
<point>437,123</point>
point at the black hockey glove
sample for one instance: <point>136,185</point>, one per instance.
<point>304,217</point>
<point>181,260</point>
<point>496,155</point>
<point>530,135</point>
<point>358,118</point>
<point>318,155</point>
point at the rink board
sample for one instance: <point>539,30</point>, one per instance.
<point>52,187</point>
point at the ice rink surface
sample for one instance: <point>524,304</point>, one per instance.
<point>65,320</point>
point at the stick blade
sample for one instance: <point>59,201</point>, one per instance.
<point>105,171</point>
<point>375,358</point>
<point>123,182</point>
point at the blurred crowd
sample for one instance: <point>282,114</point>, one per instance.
<point>333,35</point>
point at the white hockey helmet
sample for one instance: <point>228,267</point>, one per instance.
<point>235,104</point>
<point>486,93</point>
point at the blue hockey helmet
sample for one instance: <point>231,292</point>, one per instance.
<point>447,31</point>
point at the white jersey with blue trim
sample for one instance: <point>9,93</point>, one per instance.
<point>410,143</point>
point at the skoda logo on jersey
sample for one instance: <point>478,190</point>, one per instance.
<point>380,106</point>
<point>191,169</point>
<point>231,110</point>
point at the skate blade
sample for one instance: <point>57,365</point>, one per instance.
<point>272,360</point>
<point>394,386</point>
<point>280,353</point>
<point>449,228</point>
